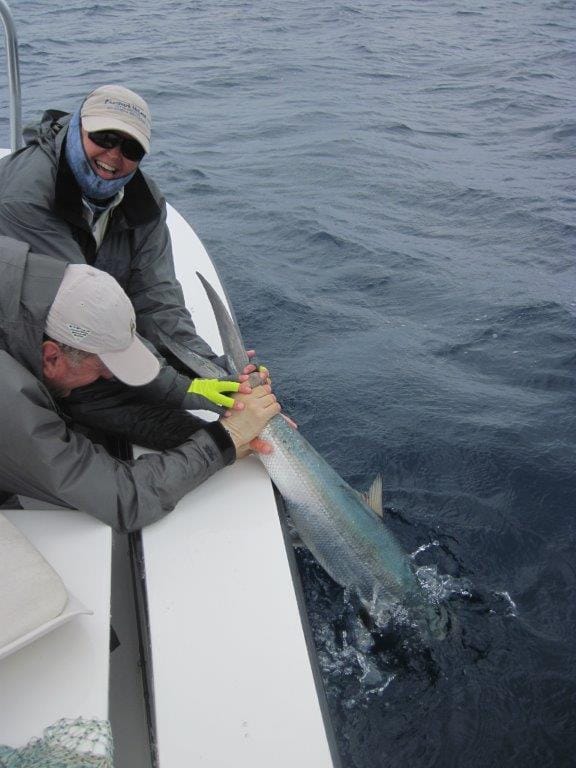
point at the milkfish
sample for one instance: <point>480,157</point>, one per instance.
<point>342,528</point>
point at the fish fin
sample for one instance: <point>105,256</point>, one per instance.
<point>373,496</point>
<point>229,332</point>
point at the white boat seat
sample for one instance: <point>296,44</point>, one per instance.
<point>31,592</point>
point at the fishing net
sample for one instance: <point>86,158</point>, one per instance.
<point>66,744</point>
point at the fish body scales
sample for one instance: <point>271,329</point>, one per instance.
<point>347,538</point>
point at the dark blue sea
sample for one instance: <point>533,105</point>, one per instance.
<point>388,192</point>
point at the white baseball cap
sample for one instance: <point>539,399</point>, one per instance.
<point>116,108</point>
<point>91,312</point>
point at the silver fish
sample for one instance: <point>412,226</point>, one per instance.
<point>346,535</point>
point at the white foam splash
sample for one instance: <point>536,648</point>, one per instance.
<point>423,548</point>
<point>440,586</point>
<point>511,603</point>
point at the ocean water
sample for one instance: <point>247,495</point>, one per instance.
<point>387,189</point>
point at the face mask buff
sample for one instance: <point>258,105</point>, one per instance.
<point>90,183</point>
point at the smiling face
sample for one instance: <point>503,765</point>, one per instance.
<point>107,163</point>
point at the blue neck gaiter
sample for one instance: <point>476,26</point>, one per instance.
<point>90,183</point>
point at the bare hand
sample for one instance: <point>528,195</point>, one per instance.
<point>251,368</point>
<point>245,424</point>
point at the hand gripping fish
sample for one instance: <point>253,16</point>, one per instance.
<point>346,535</point>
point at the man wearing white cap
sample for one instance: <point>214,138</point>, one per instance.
<point>76,192</point>
<point>63,327</point>
<point>92,314</point>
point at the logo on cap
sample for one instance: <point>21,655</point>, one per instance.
<point>77,331</point>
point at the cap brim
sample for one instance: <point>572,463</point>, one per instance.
<point>134,366</point>
<point>94,123</point>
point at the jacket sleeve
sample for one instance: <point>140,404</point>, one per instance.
<point>123,412</point>
<point>40,457</point>
<point>44,231</point>
<point>27,183</point>
<point>156,293</point>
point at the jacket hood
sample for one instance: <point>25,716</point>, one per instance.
<point>28,285</point>
<point>48,133</point>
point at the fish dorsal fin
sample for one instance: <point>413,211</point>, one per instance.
<point>373,496</point>
<point>229,332</point>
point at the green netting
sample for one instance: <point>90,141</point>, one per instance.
<point>66,744</point>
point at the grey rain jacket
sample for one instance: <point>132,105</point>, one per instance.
<point>41,457</point>
<point>41,204</point>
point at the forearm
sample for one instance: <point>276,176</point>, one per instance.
<point>157,482</point>
<point>153,419</point>
<point>158,299</point>
<point>40,457</point>
<point>75,473</point>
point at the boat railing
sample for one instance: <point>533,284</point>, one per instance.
<point>13,76</point>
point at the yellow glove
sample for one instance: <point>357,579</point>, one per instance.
<point>211,389</point>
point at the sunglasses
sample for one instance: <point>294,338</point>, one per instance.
<point>130,148</point>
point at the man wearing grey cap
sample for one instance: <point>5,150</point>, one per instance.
<point>63,327</point>
<point>76,192</point>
